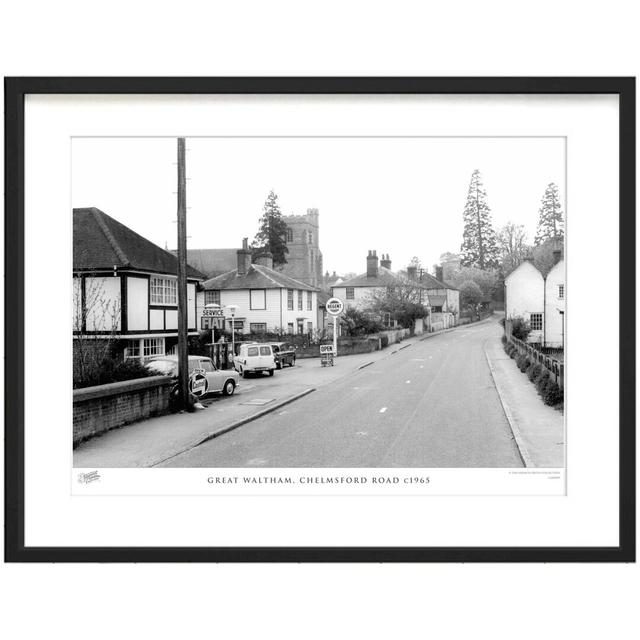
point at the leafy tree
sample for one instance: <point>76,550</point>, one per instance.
<point>543,254</point>
<point>404,303</point>
<point>550,222</point>
<point>479,246</point>
<point>356,322</point>
<point>486,280</point>
<point>512,241</point>
<point>470,294</point>
<point>272,234</point>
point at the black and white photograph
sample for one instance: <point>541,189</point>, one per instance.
<point>318,302</point>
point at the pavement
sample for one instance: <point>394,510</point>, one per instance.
<point>149,442</point>
<point>538,428</point>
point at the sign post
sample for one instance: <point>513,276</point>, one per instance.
<point>335,307</point>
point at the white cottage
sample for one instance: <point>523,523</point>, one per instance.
<point>539,300</point>
<point>266,300</point>
<point>125,287</point>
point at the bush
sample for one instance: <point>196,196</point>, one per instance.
<point>552,395</point>
<point>112,370</point>
<point>534,372</point>
<point>513,352</point>
<point>520,328</point>
<point>522,361</point>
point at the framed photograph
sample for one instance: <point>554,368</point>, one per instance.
<point>320,319</point>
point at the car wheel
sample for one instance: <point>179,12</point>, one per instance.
<point>229,388</point>
<point>293,363</point>
<point>271,371</point>
<point>278,365</point>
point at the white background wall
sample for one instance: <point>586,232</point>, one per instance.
<point>138,305</point>
<point>465,38</point>
<point>361,295</point>
<point>276,314</point>
<point>525,295</point>
<point>553,304</point>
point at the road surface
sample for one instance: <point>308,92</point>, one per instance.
<point>432,403</point>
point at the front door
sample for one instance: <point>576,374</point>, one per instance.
<point>300,327</point>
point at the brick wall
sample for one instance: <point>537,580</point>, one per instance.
<point>98,409</point>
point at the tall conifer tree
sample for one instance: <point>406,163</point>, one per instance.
<point>550,222</point>
<point>479,245</point>
<point>272,234</point>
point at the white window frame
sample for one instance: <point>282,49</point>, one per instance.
<point>289,299</point>
<point>145,348</point>
<point>561,291</point>
<point>163,291</point>
<point>254,303</point>
<point>309,301</point>
<point>352,291</point>
<point>531,322</point>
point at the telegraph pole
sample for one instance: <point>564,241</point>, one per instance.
<point>183,360</point>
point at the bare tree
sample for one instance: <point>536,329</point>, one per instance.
<point>96,319</point>
<point>512,242</point>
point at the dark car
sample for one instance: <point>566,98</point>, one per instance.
<point>284,354</point>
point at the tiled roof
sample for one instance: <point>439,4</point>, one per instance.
<point>385,278</point>
<point>257,277</point>
<point>212,262</point>
<point>100,242</point>
<point>430,282</point>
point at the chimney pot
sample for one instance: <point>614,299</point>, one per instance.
<point>244,258</point>
<point>372,265</point>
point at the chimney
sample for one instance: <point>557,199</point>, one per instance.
<point>412,272</point>
<point>385,262</point>
<point>439,276</point>
<point>372,264</point>
<point>244,258</point>
<point>557,256</point>
<point>265,259</point>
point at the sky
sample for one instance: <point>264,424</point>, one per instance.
<point>401,196</point>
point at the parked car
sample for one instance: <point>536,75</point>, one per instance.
<point>254,357</point>
<point>204,377</point>
<point>284,354</point>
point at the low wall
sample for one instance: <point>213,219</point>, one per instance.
<point>98,409</point>
<point>351,346</point>
<point>554,366</point>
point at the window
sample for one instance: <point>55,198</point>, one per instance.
<point>290,327</point>
<point>145,348</point>
<point>258,327</point>
<point>252,351</point>
<point>561,292</point>
<point>436,309</point>
<point>290,299</point>
<point>299,300</point>
<point>212,297</point>
<point>351,294</point>
<point>258,298</point>
<point>153,347</point>
<point>310,237</point>
<point>536,322</point>
<point>289,234</point>
<point>309,327</point>
<point>265,351</point>
<point>309,301</point>
<point>206,365</point>
<point>133,349</point>
<point>164,291</point>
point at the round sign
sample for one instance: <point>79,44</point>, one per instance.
<point>198,384</point>
<point>334,306</point>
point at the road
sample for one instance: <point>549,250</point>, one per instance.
<point>432,403</point>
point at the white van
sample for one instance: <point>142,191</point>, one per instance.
<point>254,357</point>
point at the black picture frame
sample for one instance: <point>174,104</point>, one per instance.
<point>15,91</point>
